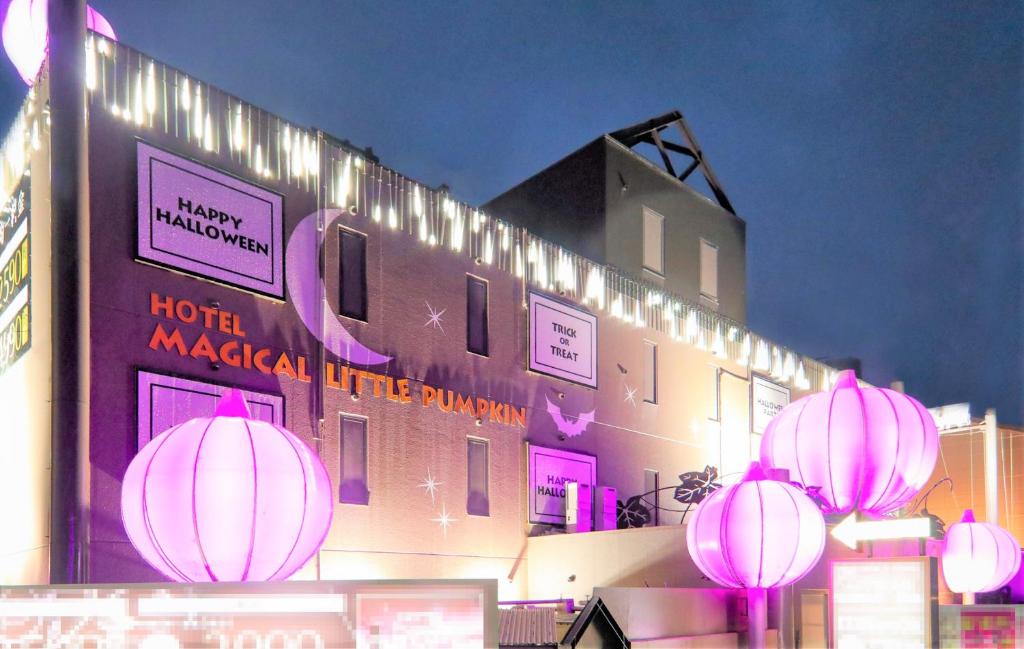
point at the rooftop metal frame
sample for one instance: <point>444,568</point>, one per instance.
<point>650,132</point>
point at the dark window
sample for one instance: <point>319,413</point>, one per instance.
<point>352,274</point>
<point>478,503</point>
<point>476,316</point>
<point>353,483</point>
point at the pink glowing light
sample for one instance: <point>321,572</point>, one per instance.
<point>25,39</point>
<point>758,533</point>
<point>227,498</point>
<point>978,557</point>
<point>869,449</point>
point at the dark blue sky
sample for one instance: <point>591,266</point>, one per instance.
<point>874,149</point>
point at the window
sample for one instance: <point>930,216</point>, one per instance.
<point>650,372</point>
<point>476,315</point>
<point>478,502</point>
<point>353,487</point>
<point>716,394</point>
<point>652,483</point>
<point>654,241</point>
<point>709,270</point>
<point>352,274</point>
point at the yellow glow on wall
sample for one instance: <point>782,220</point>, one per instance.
<point>25,479</point>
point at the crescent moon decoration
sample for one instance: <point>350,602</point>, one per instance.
<point>25,38</point>
<point>308,292</point>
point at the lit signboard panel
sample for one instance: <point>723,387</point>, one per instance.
<point>885,603</point>
<point>208,223</point>
<point>768,400</point>
<point>165,401</point>
<point>563,341</point>
<point>549,469</point>
<point>313,614</point>
<point>15,275</point>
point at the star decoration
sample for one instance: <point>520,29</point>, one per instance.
<point>431,484</point>
<point>444,519</point>
<point>631,395</point>
<point>434,318</point>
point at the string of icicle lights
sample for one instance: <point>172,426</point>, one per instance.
<point>151,95</point>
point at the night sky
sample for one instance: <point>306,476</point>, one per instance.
<point>874,149</point>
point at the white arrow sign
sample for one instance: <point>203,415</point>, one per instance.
<point>850,530</point>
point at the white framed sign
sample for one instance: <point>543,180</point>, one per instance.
<point>884,603</point>
<point>205,222</point>
<point>563,341</point>
<point>164,401</point>
<point>549,469</point>
<point>767,400</point>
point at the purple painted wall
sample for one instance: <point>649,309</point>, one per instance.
<point>409,528</point>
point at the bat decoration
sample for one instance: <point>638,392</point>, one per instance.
<point>632,513</point>
<point>694,486</point>
<point>566,427</point>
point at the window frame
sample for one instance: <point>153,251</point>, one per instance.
<point>470,279</point>
<point>660,271</point>
<point>486,443</point>
<point>707,245</point>
<point>364,304</point>
<point>651,377</point>
<point>342,416</point>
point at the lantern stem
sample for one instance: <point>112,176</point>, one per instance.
<point>757,618</point>
<point>968,599</point>
<point>232,404</point>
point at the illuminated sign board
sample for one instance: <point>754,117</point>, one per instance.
<point>216,335</point>
<point>15,275</point>
<point>768,400</point>
<point>205,222</point>
<point>885,603</point>
<point>165,401</point>
<point>563,341</point>
<point>311,614</point>
<point>549,469</point>
<point>954,415</point>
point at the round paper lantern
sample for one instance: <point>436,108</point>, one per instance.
<point>25,34</point>
<point>758,533</point>
<point>227,498</point>
<point>978,557</point>
<point>869,449</point>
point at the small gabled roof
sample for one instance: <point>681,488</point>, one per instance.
<point>526,627</point>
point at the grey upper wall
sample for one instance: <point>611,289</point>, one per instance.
<point>689,217</point>
<point>592,201</point>
<point>563,203</point>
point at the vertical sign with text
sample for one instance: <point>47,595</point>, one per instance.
<point>15,275</point>
<point>768,399</point>
<point>563,341</point>
<point>208,223</point>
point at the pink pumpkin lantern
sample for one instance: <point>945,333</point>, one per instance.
<point>227,498</point>
<point>25,34</point>
<point>978,557</point>
<point>867,449</point>
<point>756,534</point>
